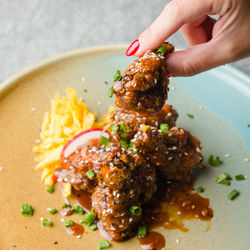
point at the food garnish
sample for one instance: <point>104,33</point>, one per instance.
<point>77,209</point>
<point>50,190</point>
<point>214,162</point>
<point>142,231</point>
<point>240,177</point>
<point>233,194</point>
<point>223,178</point>
<point>191,116</point>
<point>117,76</point>
<point>110,92</point>
<point>91,173</point>
<point>199,189</point>
<point>46,222</point>
<point>104,244</point>
<point>88,219</point>
<point>135,210</point>
<point>68,223</point>
<point>26,210</point>
<point>53,211</point>
<point>164,127</point>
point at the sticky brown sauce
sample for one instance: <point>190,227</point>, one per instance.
<point>84,199</point>
<point>153,240</point>
<point>75,230</point>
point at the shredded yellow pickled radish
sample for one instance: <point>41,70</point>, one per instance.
<point>67,117</point>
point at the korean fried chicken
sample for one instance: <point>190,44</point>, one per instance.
<point>143,86</point>
<point>145,145</point>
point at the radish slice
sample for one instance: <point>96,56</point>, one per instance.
<point>84,138</point>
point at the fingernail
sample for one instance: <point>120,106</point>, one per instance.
<point>134,46</point>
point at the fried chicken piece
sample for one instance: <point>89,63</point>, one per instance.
<point>124,180</point>
<point>133,120</point>
<point>73,169</point>
<point>143,86</point>
<point>175,153</point>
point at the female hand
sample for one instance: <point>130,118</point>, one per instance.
<point>213,42</point>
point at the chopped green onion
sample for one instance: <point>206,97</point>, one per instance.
<point>90,174</point>
<point>214,162</point>
<point>226,182</point>
<point>93,227</point>
<point>108,143</point>
<point>88,219</point>
<point>239,177</point>
<point>50,190</point>
<point>115,128</point>
<point>123,129</point>
<point>221,177</point>
<point>142,231</point>
<point>135,210</point>
<point>131,144</point>
<point>110,92</point>
<point>47,222</point>
<point>26,210</point>
<point>69,223</point>
<point>104,244</point>
<point>53,211</point>
<point>92,210</point>
<point>103,141</point>
<point>191,116</point>
<point>124,143</point>
<point>164,128</point>
<point>64,205</point>
<point>199,189</point>
<point>232,195</point>
<point>161,50</point>
<point>77,209</point>
<point>117,76</point>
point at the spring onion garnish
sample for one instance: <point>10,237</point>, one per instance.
<point>214,162</point>
<point>199,189</point>
<point>50,190</point>
<point>26,210</point>
<point>104,244</point>
<point>164,128</point>
<point>64,205</point>
<point>103,141</point>
<point>69,223</point>
<point>77,209</point>
<point>53,211</point>
<point>135,210</point>
<point>93,227</point>
<point>117,76</point>
<point>115,128</point>
<point>123,143</point>
<point>191,116</point>
<point>161,50</point>
<point>110,92</point>
<point>223,179</point>
<point>92,210</point>
<point>90,174</point>
<point>123,129</point>
<point>88,219</point>
<point>46,222</point>
<point>239,177</point>
<point>142,231</point>
<point>232,195</point>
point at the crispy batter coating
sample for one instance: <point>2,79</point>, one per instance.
<point>143,86</point>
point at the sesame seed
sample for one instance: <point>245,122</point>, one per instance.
<point>62,220</point>
<point>83,79</point>
<point>37,141</point>
<point>99,103</point>
<point>1,168</point>
<point>173,87</point>
<point>177,241</point>
<point>227,155</point>
<point>33,109</point>
<point>246,159</point>
<point>78,236</point>
<point>130,219</point>
<point>201,108</point>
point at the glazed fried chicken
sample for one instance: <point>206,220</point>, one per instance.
<point>143,86</point>
<point>174,153</point>
<point>124,180</point>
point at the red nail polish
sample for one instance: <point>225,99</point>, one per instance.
<point>134,46</point>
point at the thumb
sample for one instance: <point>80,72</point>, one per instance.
<point>198,58</point>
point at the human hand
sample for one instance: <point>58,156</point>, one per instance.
<point>213,42</point>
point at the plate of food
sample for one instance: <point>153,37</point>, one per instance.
<point>99,150</point>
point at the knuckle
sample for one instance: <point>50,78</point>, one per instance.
<point>190,69</point>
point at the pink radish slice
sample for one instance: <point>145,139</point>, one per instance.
<point>84,138</point>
